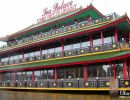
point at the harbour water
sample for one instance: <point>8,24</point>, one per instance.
<point>41,95</point>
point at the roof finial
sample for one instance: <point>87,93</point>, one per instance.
<point>91,2</point>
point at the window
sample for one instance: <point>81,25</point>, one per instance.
<point>77,45</point>
<point>58,49</point>
<point>68,47</point>
<point>37,75</point>
<point>85,44</point>
<point>70,73</point>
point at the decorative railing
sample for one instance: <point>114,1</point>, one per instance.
<point>58,32</point>
<point>67,83</point>
<point>67,53</point>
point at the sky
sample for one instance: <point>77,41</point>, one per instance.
<point>16,15</point>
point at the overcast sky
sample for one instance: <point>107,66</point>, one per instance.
<point>18,14</point>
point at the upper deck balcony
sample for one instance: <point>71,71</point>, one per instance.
<point>75,52</point>
<point>60,32</point>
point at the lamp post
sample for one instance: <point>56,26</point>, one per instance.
<point>16,83</point>
<point>62,85</point>
<point>25,83</point>
<point>97,82</point>
<point>119,81</point>
<point>8,83</point>
<point>36,83</point>
<point>78,82</point>
<point>48,83</point>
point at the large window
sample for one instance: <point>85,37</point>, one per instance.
<point>37,75</point>
<point>70,72</point>
<point>67,47</point>
<point>47,74</point>
<point>109,39</point>
<point>99,70</point>
<point>97,39</point>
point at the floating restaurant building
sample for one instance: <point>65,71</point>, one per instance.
<point>82,49</point>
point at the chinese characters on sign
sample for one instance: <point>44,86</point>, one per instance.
<point>57,10</point>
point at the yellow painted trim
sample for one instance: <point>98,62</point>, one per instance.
<point>96,53</point>
<point>74,89</point>
<point>124,88</point>
<point>58,34</point>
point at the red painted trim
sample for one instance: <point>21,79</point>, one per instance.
<point>68,36</point>
<point>81,11</point>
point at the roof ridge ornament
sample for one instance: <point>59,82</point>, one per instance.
<point>91,2</point>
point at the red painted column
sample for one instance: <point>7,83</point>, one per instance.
<point>115,35</point>
<point>0,77</point>
<point>129,35</point>
<point>55,74</point>
<point>102,38</point>
<point>23,54</point>
<point>89,19</point>
<point>125,69</point>
<point>40,52</point>
<point>128,67</point>
<point>91,40</point>
<point>85,73</point>
<point>124,36</point>
<point>14,77</point>
<point>33,77</point>
<point>113,70</point>
<point>62,47</point>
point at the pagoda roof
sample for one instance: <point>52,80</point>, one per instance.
<point>78,13</point>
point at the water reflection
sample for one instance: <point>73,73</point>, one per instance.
<point>24,95</point>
